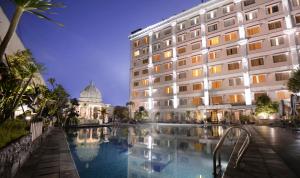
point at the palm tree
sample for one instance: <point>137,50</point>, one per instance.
<point>294,81</point>
<point>35,7</point>
<point>130,104</point>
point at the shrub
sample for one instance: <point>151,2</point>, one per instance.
<point>11,130</point>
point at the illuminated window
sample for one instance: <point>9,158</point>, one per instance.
<point>228,8</point>
<point>279,58</point>
<point>181,50</point>
<point>145,82</point>
<point>214,41</point>
<point>146,40</point>
<point>212,14</point>
<point>168,65</point>
<point>234,66</point>
<point>136,73</point>
<point>182,75</point>
<point>168,42</point>
<point>136,83</point>
<point>157,68</point>
<point>145,71</point>
<point>229,22</point>
<point>168,90</point>
<point>181,26</point>
<point>274,25</point>
<point>182,62</point>
<point>272,9</point>
<point>197,86</point>
<point>249,2</point>
<point>251,15</point>
<point>196,72</point>
<point>180,38</point>
<point>236,98</point>
<point>297,18</point>
<point>156,57</point>
<point>259,78</point>
<point>279,40</point>
<point>257,62</point>
<point>216,84</point>
<point>183,88</point>
<point>196,59</point>
<point>157,80</point>
<point>212,55</point>
<point>283,95</point>
<point>232,51</point>
<point>136,53</point>
<point>255,45</point>
<point>195,20</point>
<point>136,43</point>
<point>230,36</point>
<point>253,30</point>
<point>195,33</point>
<point>217,99</point>
<point>146,93</point>
<point>280,76</point>
<point>197,101</point>
<point>215,69</point>
<point>212,27</point>
<point>168,77</point>
<point>135,94</point>
<point>168,54</point>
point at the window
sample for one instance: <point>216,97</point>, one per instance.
<point>232,51</point>
<point>182,62</point>
<point>157,35</point>
<point>230,36</point>
<point>214,41</point>
<point>136,53</point>
<point>135,93</point>
<point>182,88</point>
<point>182,102</point>
<point>216,84</point>
<point>156,57</point>
<point>180,38</point>
<point>195,46</point>
<point>135,84</point>
<point>236,98</point>
<point>197,86</point>
<point>195,20</point>
<point>145,61</point>
<point>228,8</point>
<point>182,75</point>
<point>181,26</point>
<point>156,47</point>
<point>251,31</point>
<point>274,25</point>
<point>145,71</point>
<point>212,14</point>
<point>259,78</point>
<point>255,45</point>
<point>277,41</point>
<point>272,9</point>
<point>296,2</point>
<point>157,80</point>
<point>216,99</point>
<point>249,2</point>
<point>136,73</point>
<point>168,90</point>
<point>257,62</point>
<point>229,22</point>
<point>257,95</point>
<point>146,40</point>
<point>215,69</point>
<point>146,93</point>
<point>251,15</point>
<point>196,59</point>
<point>213,27</point>
<point>213,55</point>
<point>195,33</point>
<point>197,101</point>
<point>136,43</point>
<point>234,66</point>
<point>234,81</point>
<point>297,18</point>
<point>167,54</point>
<point>157,68</point>
<point>145,82</point>
<point>168,31</point>
<point>168,65</point>
<point>168,77</point>
<point>181,50</point>
<point>282,95</point>
<point>168,42</point>
<point>196,72</point>
<point>169,103</point>
<point>279,58</point>
<point>145,50</point>
<point>282,76</point>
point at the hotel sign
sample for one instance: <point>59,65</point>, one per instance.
<point>223,106</point>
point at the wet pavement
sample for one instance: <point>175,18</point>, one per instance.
<point>52,160</point>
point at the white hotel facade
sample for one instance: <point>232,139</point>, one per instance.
<point>216,57</point>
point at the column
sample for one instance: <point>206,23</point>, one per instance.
<point>174,60</point>
<point>150,71</point>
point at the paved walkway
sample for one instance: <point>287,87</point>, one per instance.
<point>52,160</point>
<point>262,160</point>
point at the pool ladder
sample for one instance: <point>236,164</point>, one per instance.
<point>217,171</point>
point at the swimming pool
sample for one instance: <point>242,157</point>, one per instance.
<point>145,151</point>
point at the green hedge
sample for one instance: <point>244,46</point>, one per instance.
<point>11,130</point>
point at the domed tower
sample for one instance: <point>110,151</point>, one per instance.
<point>91,94</point>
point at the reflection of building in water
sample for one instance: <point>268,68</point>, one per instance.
<point>90,105</point>
<point>171,152</point>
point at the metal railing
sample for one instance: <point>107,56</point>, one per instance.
<point>239,154</point>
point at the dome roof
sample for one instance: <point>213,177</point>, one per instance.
<point>91,94</point>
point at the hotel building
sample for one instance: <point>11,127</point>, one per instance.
<point>217,57</point>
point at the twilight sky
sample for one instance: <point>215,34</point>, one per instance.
<point>93,45</point>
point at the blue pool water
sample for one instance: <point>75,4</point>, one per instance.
<point>145,151</point>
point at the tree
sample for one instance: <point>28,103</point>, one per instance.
<point>130,104</point>
<point>40,8</point>
<point>294,81</point>
<point>141,113</point>
<point>71,112</point>
<point>265,107</point>
<point>120,112</point>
